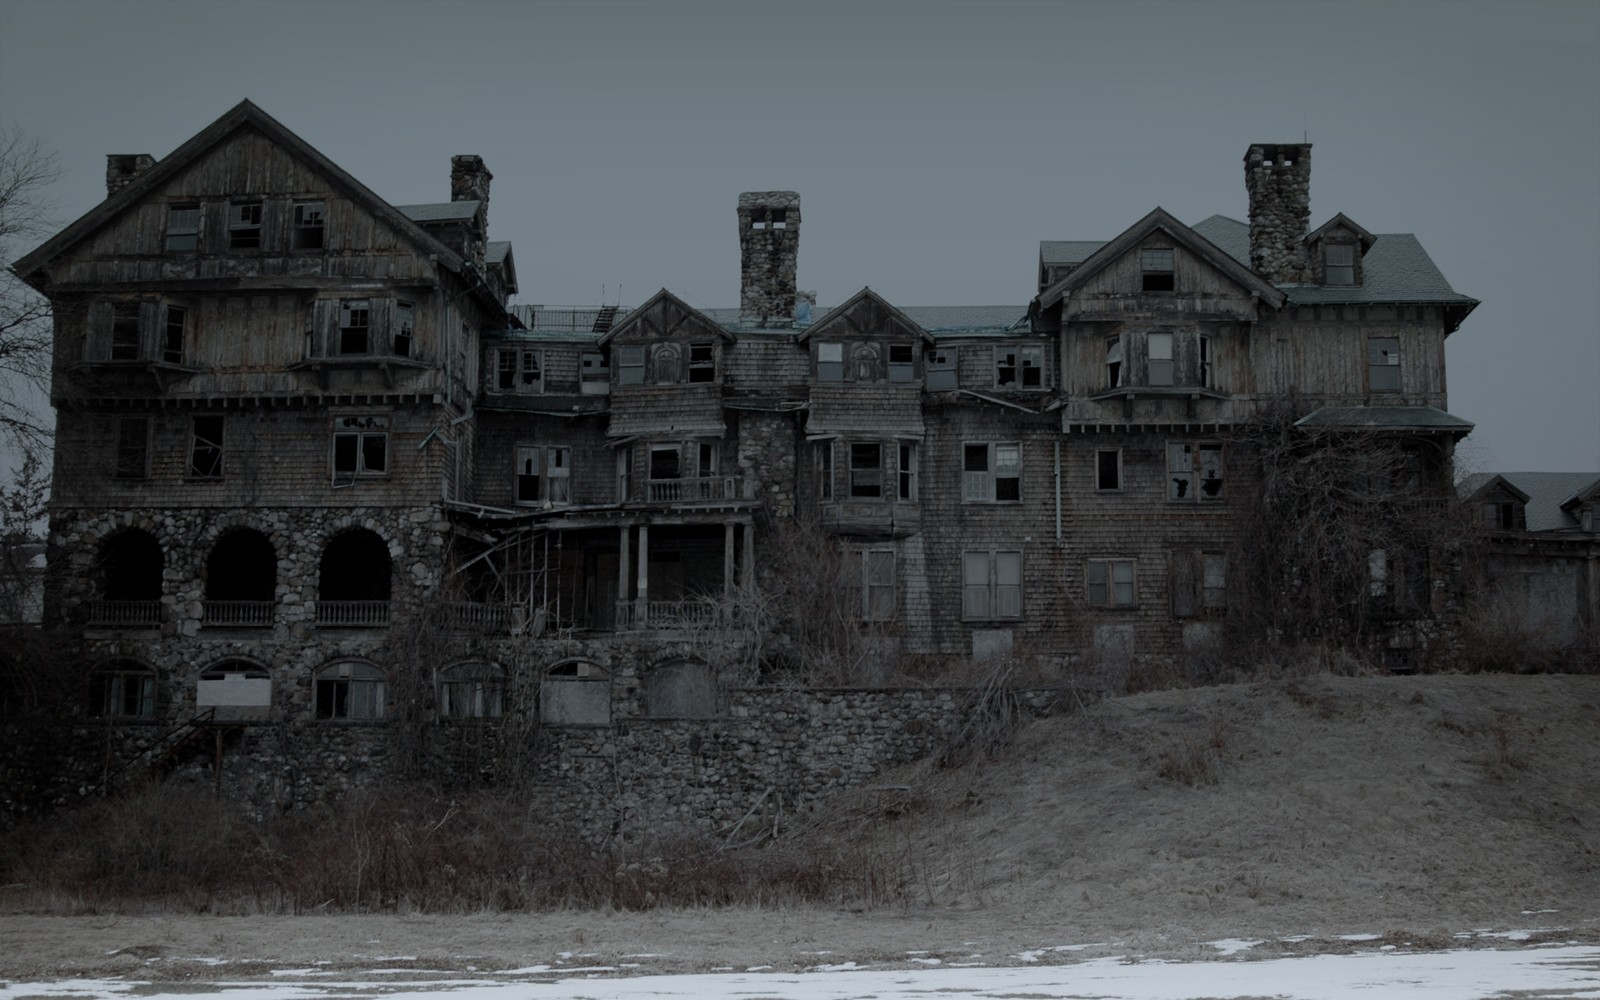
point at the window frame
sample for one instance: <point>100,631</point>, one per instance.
<point>1158,269</point>
<point>630,364</point>
<point>866,471</point>
<point>182,237</point>
<point>1203,463</point>
<point>1100,469</point>
<point>123,464</point>
<point>208,447</point>
<point>1339,273</point>
<point>355,319</point>
<point>330,678</point>
<point>830,361</point>
<point>554,475</point>
<point>941,371</point>
<point>824,470</point>
<point>1115,364</point>
<point>173,349</point>
<point>374,425</point>
<point>994,592</point>
<point>875,599</point>
<point>1103,589</point>
<point>702,363</point>
<point>403,330</point>
<point>577,675</point>
<point>125,338</point>
<point>902,363</point>
<point>1167,374</point>
<point>1020,360</point>
<point>517,372</point>
<point>1380,359</point>
<point>594,373</point>
<point>905,471</point>
<point>115,701</point>
<point>984,485</point>
<point>471,689</point>
<point>308,225</point>
<point>245,220</point>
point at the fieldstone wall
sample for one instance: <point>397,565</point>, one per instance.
<point>767,453</point>
<point>1277,178</point>
<point>769,249</point>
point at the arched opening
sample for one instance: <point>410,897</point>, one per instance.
<point>122,690</point>
<point>472,690</point>
<point>127,581</point>
<point>575,693</point>
<point>235,689</point>
<point>349,689</point>
<point>241,579</point>
<point>353,581</point>
<point>681,690</point>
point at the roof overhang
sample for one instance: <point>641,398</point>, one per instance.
<point>1392,419</point>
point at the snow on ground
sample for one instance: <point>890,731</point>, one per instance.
<point>1478,974</point>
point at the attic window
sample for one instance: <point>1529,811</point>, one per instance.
<point>902,366</point>
<point>758,218</point>
<point>1157,267</point>
<point>702,363</point>
<point>183,227</point>
<point>1500,515</point>
<point>779,218</point>
<point>244,226</point>
<point>1339,264</point>
<point>307,232</point>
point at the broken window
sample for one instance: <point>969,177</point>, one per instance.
<point>244,225</point>
<point>1378,572</point>
<point>1383,364</point>
<point>906,471</point>
<point>575,694</point>
<point>360,446</point>
<point>126,342</point>
<point>666,364</point>
<point>133,448</point>
<point>991,472</point>
<point>355,326</point>
<point>864,363</point>
<point>666,462</point>
<point>234,683</point>
<point>941,369</point>
<point>869,584</point>
<point>1160,358</point>
<point>1109,583</point>
<point>1156,267</point>
<point>1205,362</point>
<point>1108,469</point>
<point>307,229</point>
<point>1199,583</point>
<point>1213,581</point>
<point>1113,362</point>
<point>702,363</point>
<point>1339,264</point>
<point>1194,471</point>
<point>544,475</point>
<point>519,370</point>
<point>866,471</point>
<point>825,470</point>
<point>1500,515</point>
<point>681,690</point>
<point>902,364</point>
<point>991,584</point>
<point>349,689</point>
<point>1019,367</point>
<point>594,375</point>
<point>123,689</point>
<point>474,690</point>
<point>630,365</point>
<point>183,228</point>
<point>404,323</point>
<point>205,448</point>
<point>172,335</point>
<point>830,362</point>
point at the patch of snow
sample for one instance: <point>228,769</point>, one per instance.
<point>1232,946</point>
<point>927,961</point>
<point>1359,937</point>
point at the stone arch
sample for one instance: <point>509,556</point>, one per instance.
<point>472,689</point>
<point>354,579</point>
<point>241,578</point>
<point>864,362</point>
<point>349,688</point>
<point>575,692</point>
<point>235,683</point>
<point>128,566</point>
<point>681,689</point>
<point>124,689</point>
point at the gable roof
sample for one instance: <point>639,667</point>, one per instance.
<point>1189,239</point>
<point>639,313</point>
<point>1481,483</point>
<point>866,294</point>
<point>442,211</point>
<point>242,115</point>
<point>1340,219</point>
<point>1548,493</point>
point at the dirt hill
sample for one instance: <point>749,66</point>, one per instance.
<point>1412,807</point>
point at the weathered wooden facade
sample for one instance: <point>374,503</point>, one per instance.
<point>295,420</point>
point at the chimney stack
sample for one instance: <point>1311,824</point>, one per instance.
<point>1277,177</point>
<point>469,181</point>
<point>769,247</point>
<point>122,168</point>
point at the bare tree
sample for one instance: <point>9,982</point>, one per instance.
<point>26,169</point>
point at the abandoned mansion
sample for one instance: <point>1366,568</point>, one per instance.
<point>296,424</point>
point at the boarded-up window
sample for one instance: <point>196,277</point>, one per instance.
<point>830,362</point>
<point>681,690</point>
<point>991,584</point>
<point>902,366</point>
<point>575,694</point>
<point>666,364</point>
<point>594,375</point>
<point>864,363</point>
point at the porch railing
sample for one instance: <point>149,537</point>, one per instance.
<point>353,614</point>
<point>125,614</point>
<point>239,614</point>
<point>670,614</point>
<point>701,488</point>
<point>470,616</point>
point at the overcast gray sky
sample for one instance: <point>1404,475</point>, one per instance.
<point>933,144</point>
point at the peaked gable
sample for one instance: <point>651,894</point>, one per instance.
<point>1342,221</point>
<point>866,314</point>
<point>664,316</point>
<point>242,117</point>
<point>1159,220</point>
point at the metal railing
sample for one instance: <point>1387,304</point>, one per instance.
<point>125,614</point>
<point>701,488</point>
<point>239,614</point>
<point>353,614</point>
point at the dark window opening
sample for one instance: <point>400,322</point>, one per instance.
<point>205,448</point>
<point>403,321</point>
<point>1113,362</point>
<point>902,367</point>
<point>129,567</point>
<point>666,463</point>
<point>907,471</point>
<point>866,470</point>
<point>244,226</point>
<point>1156,265</point>
<point>242,566</point>
<point>133,447</point>
<point>308,229</point>
<point>472,691</point>
<point>355,326</point>
<point>350,690</point>
<point>172,335</point>
<point>1108,469</point>
<point>361,446</point>
<point>702,363</point>
<point>125,339</point>
<point>355,567</point>
<point>123,689</point>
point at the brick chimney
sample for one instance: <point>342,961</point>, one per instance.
<point>769,247</point>
<point>122,168</point>
<point>469,181</point>
<point>1277,177</point>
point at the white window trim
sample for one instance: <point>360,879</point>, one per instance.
<point>981,486</point>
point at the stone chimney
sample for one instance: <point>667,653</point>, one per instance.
<point>469,181</point>
<point>769,247</point>
<point>1277,177</point>
<point>122,168</point>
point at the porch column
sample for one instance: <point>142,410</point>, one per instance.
<point>748,571</point>
<point>727,561</point>
<point>641,616</point>
<point>623,566</point>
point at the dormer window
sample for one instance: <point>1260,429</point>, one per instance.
<point>1339,264</point>
<point>1156,265</point>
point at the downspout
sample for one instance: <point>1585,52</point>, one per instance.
<point>1058,491</point>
